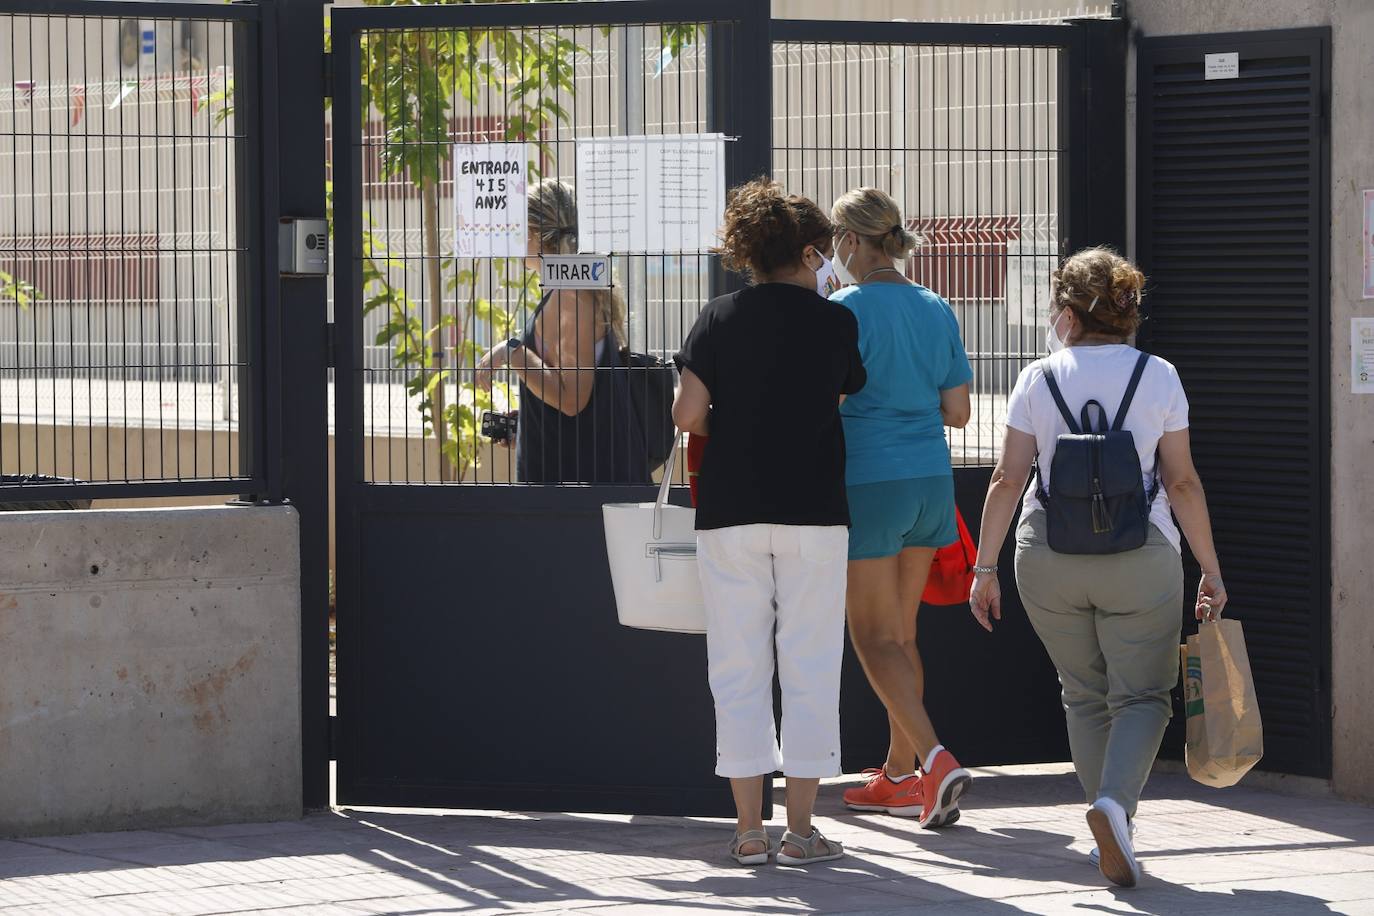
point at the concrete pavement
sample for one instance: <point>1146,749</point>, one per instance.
<point>1020,848</point>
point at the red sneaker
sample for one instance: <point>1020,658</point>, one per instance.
<point>942,786</point>
<point>880,793</point>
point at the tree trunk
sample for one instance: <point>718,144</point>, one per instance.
<point>435,279</point>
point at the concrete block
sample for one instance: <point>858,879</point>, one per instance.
<point>149,668</point>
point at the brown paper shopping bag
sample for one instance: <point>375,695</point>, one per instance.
<point>1225,735</point>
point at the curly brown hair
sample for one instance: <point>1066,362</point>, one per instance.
<point>1103,289</point>
<point>765,231</point>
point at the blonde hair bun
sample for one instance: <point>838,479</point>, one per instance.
<point>874,215</point>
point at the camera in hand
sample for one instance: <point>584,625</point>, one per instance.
<point>498,427</point>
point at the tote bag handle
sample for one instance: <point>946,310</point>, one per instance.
<point>667,484</point>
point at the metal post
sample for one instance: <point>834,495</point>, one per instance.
<point>1093,96</point>
<point>740,102</point>
<point>297,141</point>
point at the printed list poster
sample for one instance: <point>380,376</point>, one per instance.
<point>651,194</point>
<point>490,200</point>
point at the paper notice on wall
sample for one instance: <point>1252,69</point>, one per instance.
<point>489,197</point>
<point>1362,355</point>
<point>650,195</point>
<point>1367,243</point>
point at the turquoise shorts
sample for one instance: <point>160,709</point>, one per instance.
<point>888,517</point>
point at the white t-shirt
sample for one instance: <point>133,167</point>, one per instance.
<point>1101,373</point>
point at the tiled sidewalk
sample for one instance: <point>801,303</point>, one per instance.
<point>1020,848</point>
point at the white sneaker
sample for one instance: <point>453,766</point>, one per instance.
<point>1116,855</point>
<point>1095,858</point>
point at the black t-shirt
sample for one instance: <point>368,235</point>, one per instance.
<point>775,358</point>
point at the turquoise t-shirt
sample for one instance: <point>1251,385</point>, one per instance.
<point>911,348</point>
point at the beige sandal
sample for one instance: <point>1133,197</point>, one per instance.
<point>815,848</point>
<point>753,858</point>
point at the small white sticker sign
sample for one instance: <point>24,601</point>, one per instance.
<point>1362,355</point>
<point>1368,244</point>
<point>1222,66</point>
<point>574,271</point>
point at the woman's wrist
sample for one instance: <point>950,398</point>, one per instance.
<point>984,569</point>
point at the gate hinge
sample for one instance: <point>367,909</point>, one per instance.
<point>328,75</point>
<point>333,737</point>
<point>331,346</point>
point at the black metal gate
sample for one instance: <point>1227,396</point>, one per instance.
<point>480,663</point>
<point>1233,222</point>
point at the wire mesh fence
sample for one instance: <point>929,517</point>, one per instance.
<point>123,258</point>
<point>966,138</point>
<point>967,141</point>
<point>430,317</point>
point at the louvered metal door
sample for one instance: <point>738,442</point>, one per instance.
<point>1233,234</point>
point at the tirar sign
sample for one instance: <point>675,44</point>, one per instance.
<point>575,271</point>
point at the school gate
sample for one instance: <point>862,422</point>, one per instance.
<point>480,662</point>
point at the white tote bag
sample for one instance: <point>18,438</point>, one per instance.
<point>653,552</point>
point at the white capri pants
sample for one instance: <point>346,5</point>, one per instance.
<point>767,584</point>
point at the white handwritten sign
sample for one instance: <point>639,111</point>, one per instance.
<point>650,195</point>
<point>490,200</point>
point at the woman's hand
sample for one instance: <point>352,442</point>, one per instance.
<point>496,358</point>
<point>1211,597</point>
<point>985,600</point>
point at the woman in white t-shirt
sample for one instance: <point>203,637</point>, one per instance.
<point>1110,622</point>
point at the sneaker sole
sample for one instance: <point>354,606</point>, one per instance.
<point>894,810</point>
<point>1111,860</point>
<point>955,786</point>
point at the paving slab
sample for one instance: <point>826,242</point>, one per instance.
<point>1021,847</point>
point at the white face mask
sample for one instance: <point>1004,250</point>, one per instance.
<point>826,281</point>
<point>842,267</point>
<point>1052,338</point>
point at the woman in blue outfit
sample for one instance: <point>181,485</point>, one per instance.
<point>901,492</point>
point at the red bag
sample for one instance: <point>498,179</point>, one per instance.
<point>951,572</point>
<point>696,448</point>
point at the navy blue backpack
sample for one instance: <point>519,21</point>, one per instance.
<point>1097,502</point>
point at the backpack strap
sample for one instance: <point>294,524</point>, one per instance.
<point>1126,399</point>
<point>1134,383</point>
<point>1039,479</point>
<point>1059,400</point>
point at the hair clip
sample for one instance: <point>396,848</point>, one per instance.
<point>1094,304</point>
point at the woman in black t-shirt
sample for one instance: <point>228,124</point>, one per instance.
<point>763,374</point>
